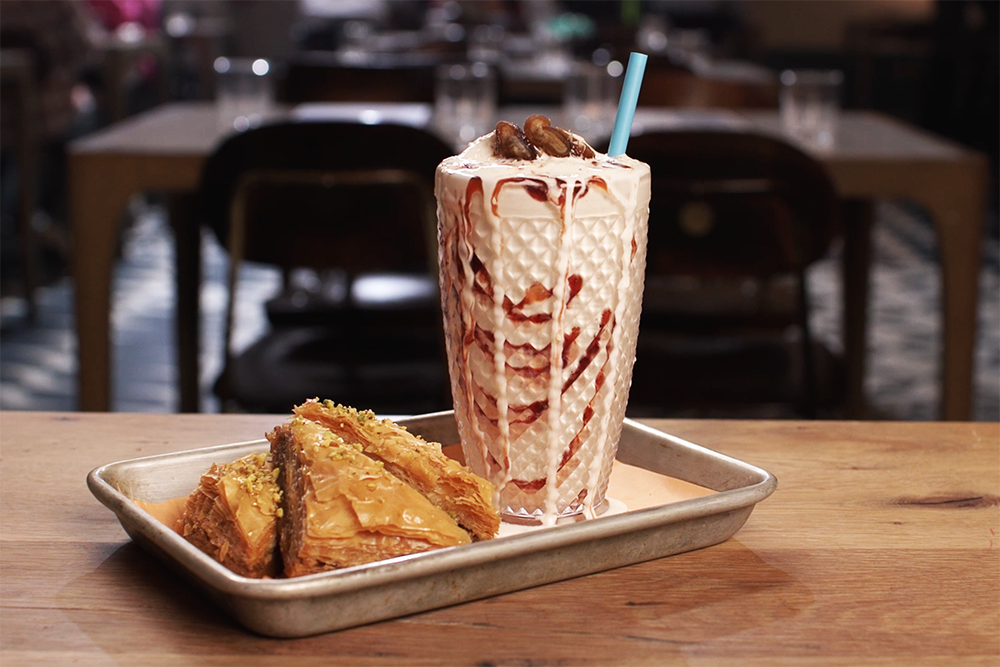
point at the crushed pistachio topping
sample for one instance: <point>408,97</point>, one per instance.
<point>337,448</point>
<point>252,473</point>
<point>361,415</point>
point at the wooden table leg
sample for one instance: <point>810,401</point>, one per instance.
<point>187,263</point>
<point>97,200</point>
<point>857,217</point>
<point>959,214</point>
<point>27,145</point>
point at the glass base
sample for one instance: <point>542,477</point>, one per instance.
<point>571,514</point>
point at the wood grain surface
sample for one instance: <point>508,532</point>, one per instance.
<point>880,546</point>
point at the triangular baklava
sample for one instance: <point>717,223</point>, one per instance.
<point>445,482</point>
<point>232,514</point>
<point>342,508</point>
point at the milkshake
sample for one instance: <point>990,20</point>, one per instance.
<point>542,250</point>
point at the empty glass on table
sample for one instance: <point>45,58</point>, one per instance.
<point>465,101</point>
<point>810,106</point>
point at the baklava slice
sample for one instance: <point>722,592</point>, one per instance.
<point>342,508</point>
<point>445,482</point>
<point>232,516</point>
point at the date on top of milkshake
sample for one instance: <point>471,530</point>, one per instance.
<point>539,135</point>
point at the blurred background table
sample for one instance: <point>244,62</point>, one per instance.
<point>875,157</point>
<point>875,549</point>
<point>879,157</point>
<point>160,151</point>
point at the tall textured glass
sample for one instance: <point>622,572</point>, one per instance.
<point>541,269</point>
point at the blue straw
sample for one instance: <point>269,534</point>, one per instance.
<point>626,103</point>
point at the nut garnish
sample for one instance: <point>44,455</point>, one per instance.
<point>509,142</point>
<point>551,140</point>
<point>581,148</point>
<point>539,133</point>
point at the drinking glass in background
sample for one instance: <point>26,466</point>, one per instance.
<point>486,44</point>
<point>810,106</point>
<point>465,101</point>
<point>244,92</point>
<point>590,99</point>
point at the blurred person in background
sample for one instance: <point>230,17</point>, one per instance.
<point>128,23</point>
<point>115,13</point>
<point>59,38</point>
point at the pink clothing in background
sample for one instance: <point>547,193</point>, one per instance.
<point>113,13</point>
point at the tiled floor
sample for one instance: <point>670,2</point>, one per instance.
<point>904,326</point>
<point>38,363</point>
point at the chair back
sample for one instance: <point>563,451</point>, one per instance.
<point>322,195</point>
<point>734,204</point>
<point>735,218</point>
<point>326,195</point>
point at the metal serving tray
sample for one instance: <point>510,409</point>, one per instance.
<point>353,596</point>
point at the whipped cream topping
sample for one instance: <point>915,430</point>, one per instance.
<point>479,156</point>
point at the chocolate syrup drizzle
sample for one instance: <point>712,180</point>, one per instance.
<point>539,360</point>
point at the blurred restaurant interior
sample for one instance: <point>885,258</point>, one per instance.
<point>852,274</point>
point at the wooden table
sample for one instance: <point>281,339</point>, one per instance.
<point>880,546</point>
<point>876,157</point>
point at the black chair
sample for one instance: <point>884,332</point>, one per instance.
<point>735,221</point>
<point>353,203</point>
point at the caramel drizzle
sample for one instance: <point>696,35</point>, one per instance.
<point>482,285</point>
<point>575,285</point>
<point>535,294</point>
<point>485,342</point>
<point>474,186</point>
<point>614,351</point>
<point>481,282</point>
<point>537,189</point>
<point>588,412</point>
<point>588,356</point>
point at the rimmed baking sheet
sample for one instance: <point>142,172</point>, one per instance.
<point>672,496</point>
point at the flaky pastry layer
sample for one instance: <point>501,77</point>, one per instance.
<point>232,516</point>
<point>445,482</point>
<point>342,508</point>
